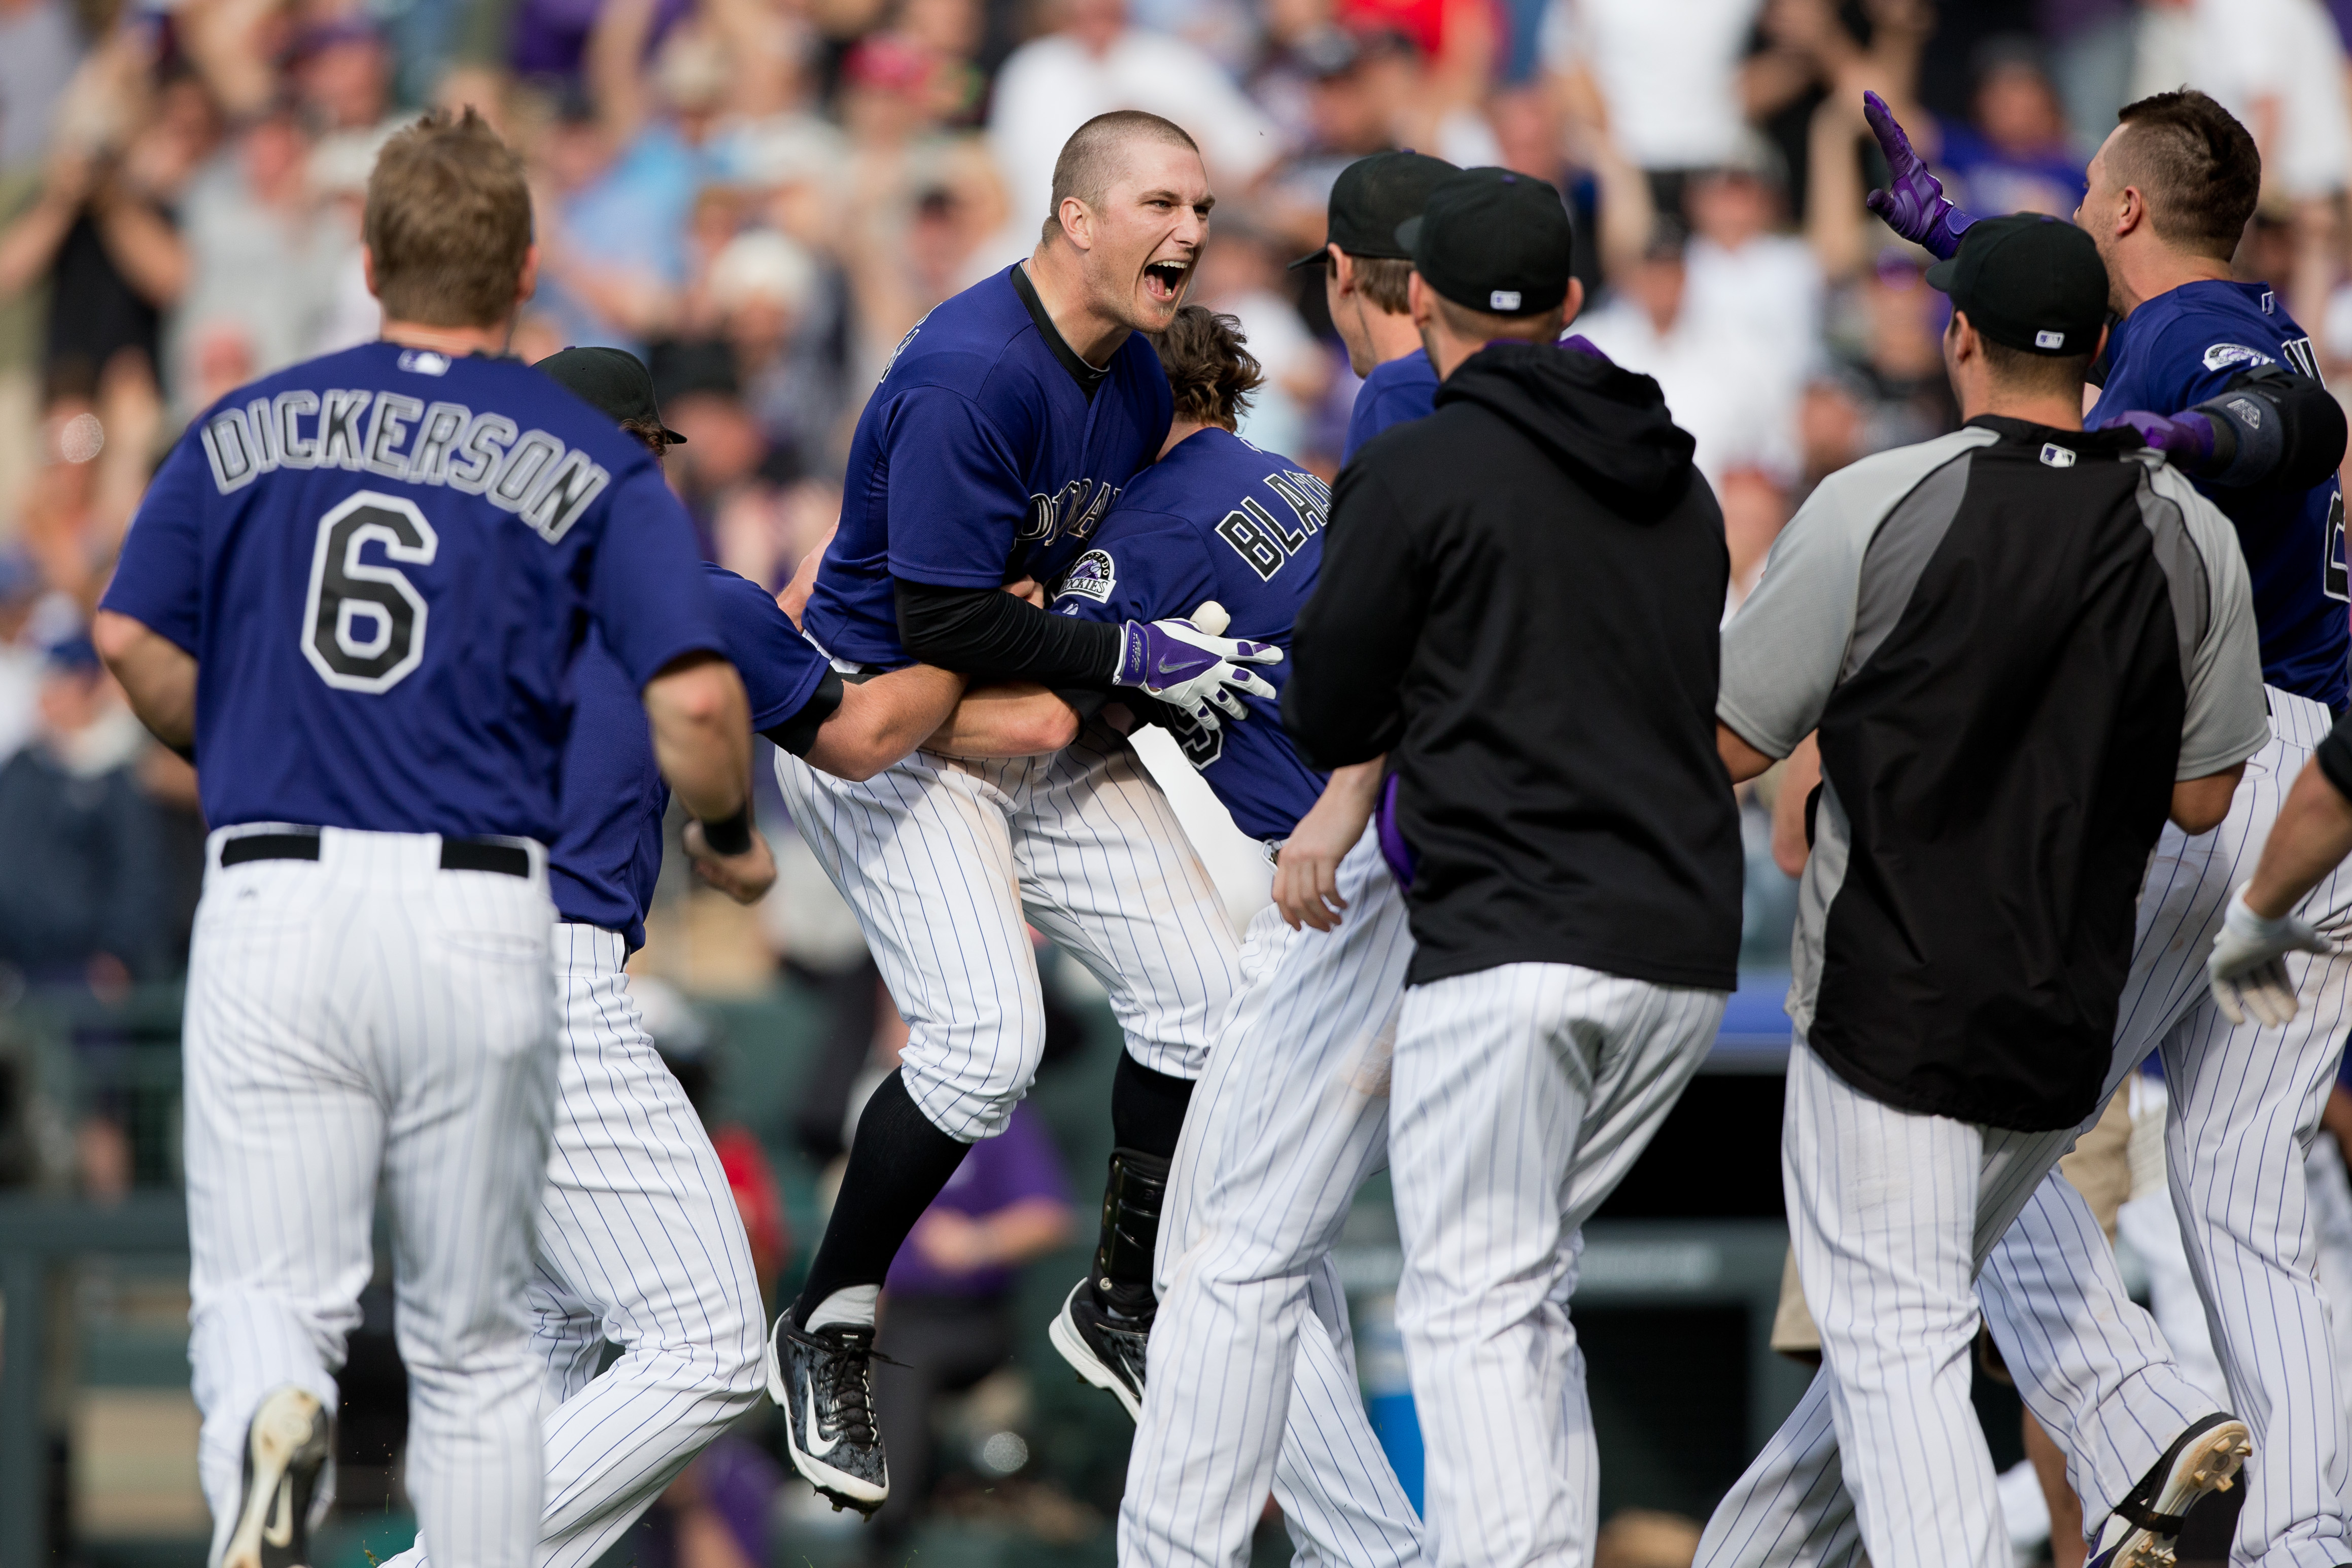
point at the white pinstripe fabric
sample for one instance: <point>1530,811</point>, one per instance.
<point>1891,1213</point>
<point>1521,1096</point>
<point>368,1019</point>
<point>1251,1380</point>
<point>944,858</point>
<point>2247,1102</point>
<point>640,1243</point>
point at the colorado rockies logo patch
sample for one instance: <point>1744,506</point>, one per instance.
<point>1092,576</point>
<point>2221,356</point>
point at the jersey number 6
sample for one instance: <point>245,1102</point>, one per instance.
<point>363,626</point>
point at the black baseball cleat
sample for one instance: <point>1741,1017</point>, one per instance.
<point>286,1446</point>
<point>1106,1349</point>
<point>2205,1458</point>
<point>823,1383</point>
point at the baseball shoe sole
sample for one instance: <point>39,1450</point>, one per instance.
<point>823,1383</point>
<point>2204,1459</point>
<point>1100,1351</point>
<point>286,1446</point>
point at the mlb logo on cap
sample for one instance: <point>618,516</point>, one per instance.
<point>2046,338</point>
<point>1504,299</point>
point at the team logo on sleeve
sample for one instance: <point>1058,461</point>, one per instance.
<point>2222,356</point>
<point>1092,576</point>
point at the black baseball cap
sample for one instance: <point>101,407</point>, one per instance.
<point>1493,241</point>
<point>612,380</point>
<point>2028,282</point>
<point>1372,197</point>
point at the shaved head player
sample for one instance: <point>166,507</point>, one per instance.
<point>1007,424</point>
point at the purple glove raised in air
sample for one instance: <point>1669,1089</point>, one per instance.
<point>1913,206</point>
<point>1191,670</point>
<point>2186,439</point>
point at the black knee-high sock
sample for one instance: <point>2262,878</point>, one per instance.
<point>897,1163</point>
<point>1146,1108</point>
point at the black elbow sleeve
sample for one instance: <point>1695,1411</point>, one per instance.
<point>2275,430</point>
<point>798,732</point>
<point>987,633</point>
<point>2333,755</point>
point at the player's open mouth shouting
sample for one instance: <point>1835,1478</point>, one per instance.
<point>1165,281</point>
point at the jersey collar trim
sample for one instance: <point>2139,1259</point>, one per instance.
<point>1086,375</point>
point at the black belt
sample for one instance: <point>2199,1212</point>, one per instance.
<point>456,854</point>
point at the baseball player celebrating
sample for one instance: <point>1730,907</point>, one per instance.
<point>1964,927</point>
<point>998,438</point>
<point>354,589</point>
<point>1364,285</point>
<point>640,1242</point>
<point>1575,908</point>
<point>1217,523</point>
<point>2168,195</point>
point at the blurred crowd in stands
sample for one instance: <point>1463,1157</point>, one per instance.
<point>761,197</point>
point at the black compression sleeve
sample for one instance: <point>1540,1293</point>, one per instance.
<point>988,634</point>
<point>2274,430</point>
<point>798,732</point>
<point>2333,755</point>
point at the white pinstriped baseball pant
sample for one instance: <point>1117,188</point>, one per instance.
<point>1252,1383</point>
<point>2088,1361</point>
<point>947,860</point>
<point>640,1243</point>
<point>368,1018</point>
<point>1521,1095</point>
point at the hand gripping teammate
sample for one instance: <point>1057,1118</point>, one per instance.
<point>2168,194</point>
<point>1218,524</point>
<point>354,589</point>
<point>998,438</point>
<point>640,1242</point>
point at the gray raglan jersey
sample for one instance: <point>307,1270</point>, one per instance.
<point>2013,641</point>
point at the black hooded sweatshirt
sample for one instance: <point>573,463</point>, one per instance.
<point>1519,599</point>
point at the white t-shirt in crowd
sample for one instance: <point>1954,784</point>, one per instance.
<point>1050,87</point>
<point>1669,70</point>
<point>2243,51</point>
<point>1766,296</point>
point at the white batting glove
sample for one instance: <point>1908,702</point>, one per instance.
<point>2248,963</point>
<point>1191,670</point>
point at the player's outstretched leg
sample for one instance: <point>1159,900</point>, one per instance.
<point>1107,872</point>
<point>286,1446</point>
<point>924,853</point>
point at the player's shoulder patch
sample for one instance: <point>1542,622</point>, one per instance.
<point>2228,356</point>
<point>1092,576</point>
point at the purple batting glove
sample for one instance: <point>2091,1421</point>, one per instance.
<point>2186,439</point>
<point>1913,206</point>
<point>1186,668</point>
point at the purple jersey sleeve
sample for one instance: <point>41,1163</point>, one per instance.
<point>958,500</point>
<point>647,590</point>
<point>158,582</point>
<point>778,667</point>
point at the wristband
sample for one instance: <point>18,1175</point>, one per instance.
<point>730,836</point>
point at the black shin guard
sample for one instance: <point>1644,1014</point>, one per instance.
<point>1130,1232</point>
<point>897,1163</point>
